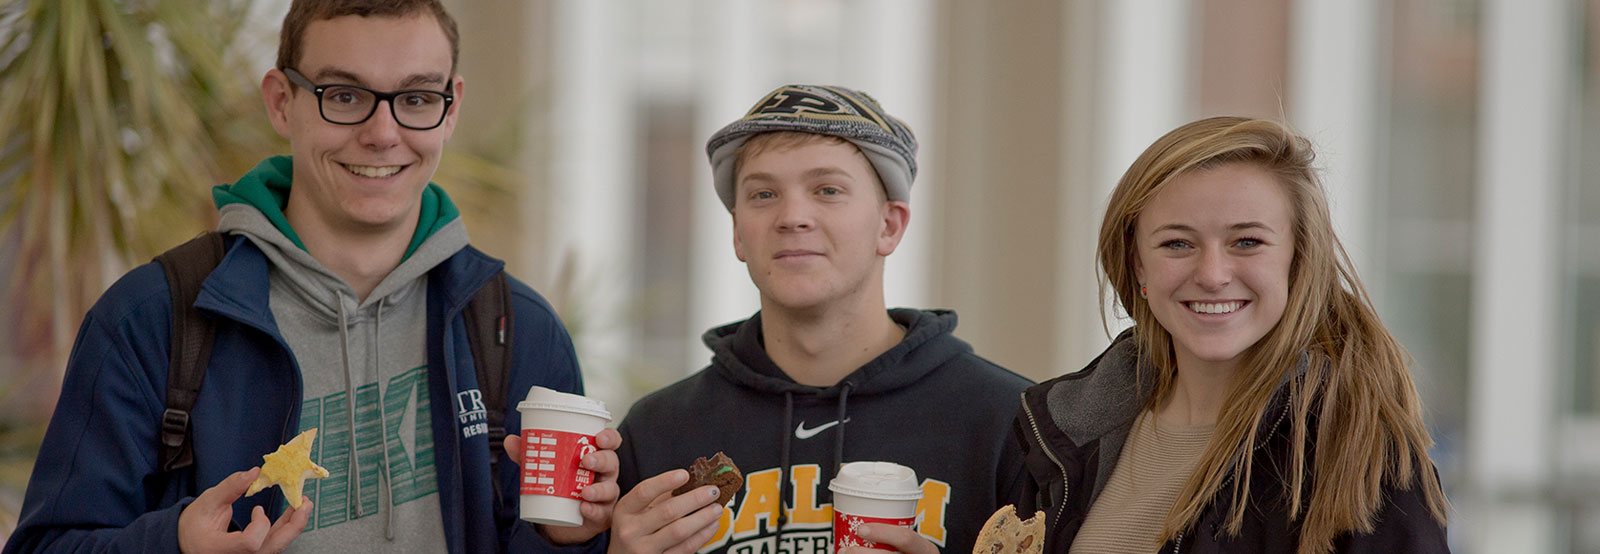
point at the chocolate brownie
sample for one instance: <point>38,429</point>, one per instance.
<point>718,470</point>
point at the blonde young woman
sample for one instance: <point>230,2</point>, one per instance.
<point>1257,404</point>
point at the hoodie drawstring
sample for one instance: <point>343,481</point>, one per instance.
<point>838,436</point>
<point>783,462</point>
<point>350,415</point>
<point>350,412</point>
<point>383,425</point>
<point>783,455</point>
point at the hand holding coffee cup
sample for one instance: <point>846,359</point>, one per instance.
<point>558,431</point>
<point>891,538</point>
<point>550,421</point>
<point>599,498</point>
<point>867,493</point>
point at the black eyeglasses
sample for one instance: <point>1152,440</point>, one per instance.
<point>352,105</point>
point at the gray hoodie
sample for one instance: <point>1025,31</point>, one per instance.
<point>370,349</point>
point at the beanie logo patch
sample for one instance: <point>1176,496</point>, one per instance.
<point>794,102</point>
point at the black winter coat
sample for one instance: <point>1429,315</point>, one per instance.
<point>1072,429</point>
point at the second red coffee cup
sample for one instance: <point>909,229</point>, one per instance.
<point>872,492</point>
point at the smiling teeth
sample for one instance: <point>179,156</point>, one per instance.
<point>374,172</point>
<point>1216,307</point>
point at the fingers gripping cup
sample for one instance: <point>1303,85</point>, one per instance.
<point>872,492</point>
<point>558,430</point>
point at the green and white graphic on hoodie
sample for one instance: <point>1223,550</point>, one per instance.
<point>382,488</point>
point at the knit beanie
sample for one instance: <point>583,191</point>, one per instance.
<point>837,111</point>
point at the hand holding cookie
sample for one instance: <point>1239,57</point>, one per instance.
<point>675,512</point>
<point>204,524</point>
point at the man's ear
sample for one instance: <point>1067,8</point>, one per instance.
<point>896,216</point>
<point>277,92</point>
<point>458,86</point>
<point>738,245</point>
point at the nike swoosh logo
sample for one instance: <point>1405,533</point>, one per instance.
<point>802,433</point>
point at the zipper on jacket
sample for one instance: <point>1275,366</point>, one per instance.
<point>1178,542</point>
<point>1065,491</point>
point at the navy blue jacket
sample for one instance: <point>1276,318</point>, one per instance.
<point>97,487</point>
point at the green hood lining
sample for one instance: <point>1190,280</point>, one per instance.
<point>266,188</point>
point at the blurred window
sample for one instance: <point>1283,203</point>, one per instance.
<point>1583,224</point>
<point>1582,287</point>
<point>1426,197</point>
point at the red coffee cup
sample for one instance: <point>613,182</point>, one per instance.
<point>872,492</point>
<point>558,430</point>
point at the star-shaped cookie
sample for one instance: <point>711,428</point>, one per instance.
<point>289,467</point>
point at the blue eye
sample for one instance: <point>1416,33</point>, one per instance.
<point>762,195</point>
<point>829,191</point>
<point>1176,244</point>
<point>1247,242</point>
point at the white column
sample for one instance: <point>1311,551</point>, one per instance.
<point>1145,87</point>
<point>1081,330</point>
<point>1145,82</point>
<point>734,56</point>
<point>1333,91</point>
<point>1516,285</point>
<point>593,222</point>
<point>888,46</point>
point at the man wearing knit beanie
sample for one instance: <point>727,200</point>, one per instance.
<point>817,180</point>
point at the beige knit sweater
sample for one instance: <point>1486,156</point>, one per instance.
<point>1154,465</point>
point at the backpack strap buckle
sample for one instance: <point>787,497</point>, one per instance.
<point>174,426</point>
<point>497,438</point>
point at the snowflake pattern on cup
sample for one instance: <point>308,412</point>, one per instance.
<point>847,530</point>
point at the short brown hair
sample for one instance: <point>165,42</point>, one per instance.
<point>303,12</point>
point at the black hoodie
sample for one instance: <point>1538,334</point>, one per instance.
<point>928,403</point>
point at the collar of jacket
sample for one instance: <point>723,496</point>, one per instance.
<point>1084,418</point>
<point>1106,396</point>
<point>237,289</point>
<point>740,357</point>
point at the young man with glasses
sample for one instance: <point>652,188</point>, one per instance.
<point>345,276</point>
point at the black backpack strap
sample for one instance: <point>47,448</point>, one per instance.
<point>489,334</point>
<point>186,267</point>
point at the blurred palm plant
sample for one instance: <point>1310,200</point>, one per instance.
<point>116,119</point>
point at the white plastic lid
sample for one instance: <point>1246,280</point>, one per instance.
<point>879,480</point>
<point>540,398</point>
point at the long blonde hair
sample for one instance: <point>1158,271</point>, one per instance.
<point>1369,428</point>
